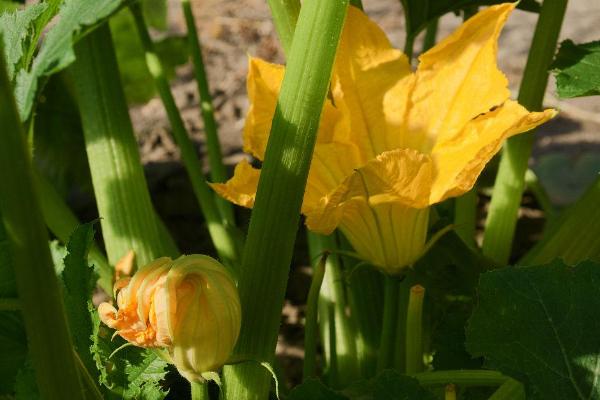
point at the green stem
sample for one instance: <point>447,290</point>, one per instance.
<point>365,293</point>
<point>127,217</point>
<point>218,173</point>
<point>285,16</point>
<point>509,390</point>
<point>199,391</point>
<point>477,377</point>
<point>388,331</point>
<point>450,392</point>
<point>222,239</point>
<point>276,214</point>
<point>510,181</point>
<point>430,35</point>
<point>48,335</point>
<point>465,216</point>
<point>339,350</point>
<point>409,45</point>
<point>400,346</point>
<point>574,236</point>
<point>533,183</point>
<point>312,315</point>
<point>414,330</point>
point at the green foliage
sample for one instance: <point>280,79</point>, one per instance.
<point>17,30</point>
<point>137,81</point>
<point>388,385</point>
<point>132,372</point>
<point>577,69</point>
<point>8,286</point>
<point>420,12</point>
<point>79,281</point>
<point>13,345</point>
<point>25,384</point>
<point>539,325</point>
<point>56,52</point>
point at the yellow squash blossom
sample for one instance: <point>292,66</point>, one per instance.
<point>392,142</point>
<point>189,306</point>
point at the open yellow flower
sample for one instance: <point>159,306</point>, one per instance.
<point>189,306</point>
<point>393,142</point>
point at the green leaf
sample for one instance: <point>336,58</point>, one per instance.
<point>314,389</point>
<point>79,281</point>
<point>56,51</point>
<point>388,385</point>
<point>8,285</point>
<point>540,326</point>
<point>26,384</point>
<point>420,12</point>
<point>577,69</point>
<point>17,29</point>
<point>132,372</point>
<point>13,345</point>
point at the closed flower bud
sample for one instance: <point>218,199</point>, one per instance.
<point>189,306</point>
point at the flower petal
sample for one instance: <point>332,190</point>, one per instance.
<point>458,79</point>
<point>366,66</point>
<point>401,175</point>
<point>241,188</point>
<point>263,84</point>
<point>460,160</point>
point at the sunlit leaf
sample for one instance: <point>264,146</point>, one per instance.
<point>540,326</point>
<point>577,69</point>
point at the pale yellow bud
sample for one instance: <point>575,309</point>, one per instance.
<point>189,306</point>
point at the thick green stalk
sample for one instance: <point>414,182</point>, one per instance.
<point>223,241</point>
<point>465,377</point>
<point>510,181</point>
<point>128,219</point>
<point>312,315</point>
<point>574,236</point>
<point>199,391</point>
<point>510,390</point>
<point>285,16</point>
<point>414,330</point>
<point>339,349</point>
<point>218,173</point>
<point>48,335</point>
<point>400,345</point>
<point>465,216</point>
<point>385,356</point>
<point>274,222</point>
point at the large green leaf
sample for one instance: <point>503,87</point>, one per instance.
<point>540,325</point>
<point>577,69</point>
<point>17,29</point>
<point>420,12</point>
<point>388,385</point>
<point>79,281</point>
<point>131,372</point>
<point>13,349</point>
<point>56,52</point>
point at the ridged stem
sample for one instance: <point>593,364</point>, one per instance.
<point>218,172</point>
<point>509,390</point>
<point>49,340</point>
<point>465,216</point>
<point>199,391</point>
<point>510,181</point>
<point>128,219</point>
<point>275,217</point>
<point>450,392</point>
<point>476,377</point>
<point>312,315</point>
<point>223,241</point>
<point>385,355</point>
<point>414,330</point>
<point>285,16</point>
<point>339,349</point>
<point>430,35</point>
